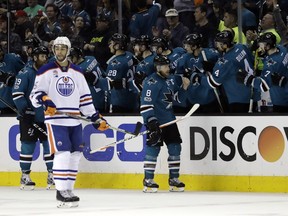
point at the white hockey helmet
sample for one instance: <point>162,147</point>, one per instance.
<point>62,41</point>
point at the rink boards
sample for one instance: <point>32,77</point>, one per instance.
<point>219,153</point>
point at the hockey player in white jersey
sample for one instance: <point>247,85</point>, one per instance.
<point>61,86</point>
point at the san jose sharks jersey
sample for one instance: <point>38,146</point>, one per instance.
<point>275,63</point>
<point>198,93</point>
<point>12,64</point>
<point>225,72</point>
<point>88,65</point>
<point>146,66</point>
<point>21,91</point>
<point>67,88</point>
<point>157,98</point>
<point>122,67</point>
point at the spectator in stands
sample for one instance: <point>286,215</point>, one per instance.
<point>142,22</point>
<point>176,31</point>
<point>98,44</point>
<point>249,19</point>
<point>203,26</point>
<point>77,9</point>
<point>230,21</point>
<point>24,27</point>
<point>15,43</point>
<point>186,11</point>
<point>280,25</point>
<point>49,25</point>
<point>67,27</point>
<point>81,33</point>
<point>33,8</point>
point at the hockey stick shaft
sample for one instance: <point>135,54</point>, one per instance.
<point>19,114</point>
<point>214,89</point>
<point>191,111</point>
<point>137,129</point>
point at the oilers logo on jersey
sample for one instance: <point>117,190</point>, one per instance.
<point>65,86</point>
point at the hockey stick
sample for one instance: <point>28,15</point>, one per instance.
<point>136,131</point>
<point>215,89</point>
<point>191,111</point>
<point>19,114</point>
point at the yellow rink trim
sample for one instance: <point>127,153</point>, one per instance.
<point>134,181</point>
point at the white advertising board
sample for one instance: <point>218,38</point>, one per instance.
<point>212,145</point>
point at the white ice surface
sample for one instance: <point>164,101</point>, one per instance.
<point>105,202</point>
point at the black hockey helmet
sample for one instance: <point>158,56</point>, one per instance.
<point>161,60</point>
<point>76,51</point>
<point>40,50</point>
<point>268,38</point>
<point>193,39</point>
<point>160,42</point>
<point>225,37</point>
<point>120,39</point>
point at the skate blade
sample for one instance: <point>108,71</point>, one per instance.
<point>67,204</point>
<point>176,189</point>
<point>150,190</point>
<point>27,187</point>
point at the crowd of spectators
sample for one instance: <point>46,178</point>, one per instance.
<point>90,24</point>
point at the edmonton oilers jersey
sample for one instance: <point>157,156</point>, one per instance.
<point>67,88</point>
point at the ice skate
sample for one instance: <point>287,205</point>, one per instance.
<point>150,186</point>
<point>65,200</point>
<point>73,196</point>
<point>176,185</point>
<point>26,182</point>
<point>50,181</point>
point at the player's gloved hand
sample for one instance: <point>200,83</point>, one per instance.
<point>50,107</point>
<point>195,78</point>
<point>245,78</point>
<point>7,78</point>
<point>28,115</point>
<point>208,66</point>
<point>187,73</point>
<point>154,135</point>
<point>119,83</point>
<point>278,80</point>
<point>139,77</point>
<point>98,122</point>
<point>92,77</point>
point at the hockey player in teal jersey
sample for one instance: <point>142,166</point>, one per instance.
<point>193,61</point>
<point>10,65</point>
<point>156,108</point>
<point>29,135</point>
<point>120,71</point>
<point>234,58</point>
<point>274,72</point>
<point>145,67</point>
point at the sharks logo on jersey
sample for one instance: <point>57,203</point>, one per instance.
<point>168,98</point>
<point>271,62</point>
<point>65,86</point>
